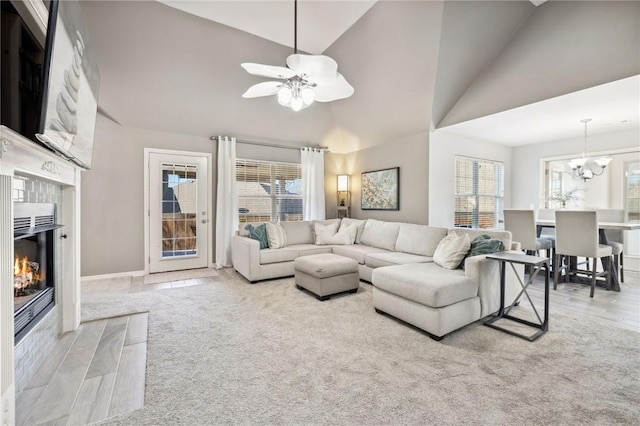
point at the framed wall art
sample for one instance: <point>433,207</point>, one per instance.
<point>381,190</point>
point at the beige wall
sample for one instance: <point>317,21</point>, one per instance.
<point>411,154</point>
<point>113,195</point>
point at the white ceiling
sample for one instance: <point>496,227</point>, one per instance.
<point>611,107</point>
<point>320,23</point>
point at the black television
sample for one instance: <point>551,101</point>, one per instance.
<point>22,70</point>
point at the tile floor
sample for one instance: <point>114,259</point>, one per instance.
<point>92,374</point>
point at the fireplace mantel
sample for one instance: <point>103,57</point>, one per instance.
<point>20,155</point>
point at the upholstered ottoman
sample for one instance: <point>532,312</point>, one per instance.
<point>326,274</point>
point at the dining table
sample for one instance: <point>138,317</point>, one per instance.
<point>602,227</point>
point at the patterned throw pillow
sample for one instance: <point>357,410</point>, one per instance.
<point>483,244</point>
<point>259,233</point>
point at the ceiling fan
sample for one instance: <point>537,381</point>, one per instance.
<point>307,78</point>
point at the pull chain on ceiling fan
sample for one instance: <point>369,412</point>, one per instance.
<point>307,78</point>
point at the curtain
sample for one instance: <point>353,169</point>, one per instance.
<point>227,200</point>
<point>312,184</point>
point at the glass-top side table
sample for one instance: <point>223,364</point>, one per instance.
<point>537,264</point>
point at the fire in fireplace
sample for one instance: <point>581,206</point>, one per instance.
<point>26,274</point>
<point>33,274</point>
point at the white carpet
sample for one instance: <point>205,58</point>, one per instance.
<point>231,352</point>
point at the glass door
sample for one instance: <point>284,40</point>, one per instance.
<point>178,214</point>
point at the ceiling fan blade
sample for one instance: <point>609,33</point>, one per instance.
<point>314,68</point>
<point>338,89</point>
<point>262,89</point>
<point>268,70</point>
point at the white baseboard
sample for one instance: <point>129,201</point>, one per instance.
<point>116,275</point>
<point>632,263</point>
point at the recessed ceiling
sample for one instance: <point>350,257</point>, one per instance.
<point>320,23</point>
<point>611,107</point>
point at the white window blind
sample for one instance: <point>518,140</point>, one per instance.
<point>632,190</point>
<point>479,193</point>
<point>268,191</point>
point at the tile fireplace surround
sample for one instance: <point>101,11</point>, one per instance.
<point>22,157</point>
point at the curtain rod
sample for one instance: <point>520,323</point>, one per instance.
<point>270,145</point>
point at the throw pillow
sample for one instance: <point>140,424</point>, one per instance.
<point>325,234</point>
<point>483,244</point>
<point>259,233</point>
<point>347,221</point>
<point>451,250</point>
<point>276,236</point>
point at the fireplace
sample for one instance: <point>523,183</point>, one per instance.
<point>34,284</point>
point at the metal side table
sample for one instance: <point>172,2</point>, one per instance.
<point>537,264</point>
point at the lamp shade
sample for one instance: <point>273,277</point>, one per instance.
<point>343,182</point>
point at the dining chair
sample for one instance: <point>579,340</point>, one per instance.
<point>615,238</point>
<point>547,233</point>
<point>522,225</point>
<point>577,235</point>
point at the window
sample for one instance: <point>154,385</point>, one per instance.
<point>479,192</point>
<point>632,190</point>
<point>268,191</point>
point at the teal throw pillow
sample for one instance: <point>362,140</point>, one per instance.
<point>259,233</point>
<point>483,244</point>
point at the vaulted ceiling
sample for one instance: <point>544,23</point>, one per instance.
<point>415,65</point>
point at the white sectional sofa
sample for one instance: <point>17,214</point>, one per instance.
<point>397,258</point>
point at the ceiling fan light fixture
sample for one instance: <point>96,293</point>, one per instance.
<point>307,78</point>
<point>308,95</point>
<point>297,103</point>
<point>284,95</point>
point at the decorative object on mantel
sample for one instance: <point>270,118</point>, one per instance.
<point>586,168</point>
<point>564,197</point>
<point>307,78</point>
<point>381,190</point>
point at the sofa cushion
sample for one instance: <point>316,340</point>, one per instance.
<point>378,260</point>
<point>325,265</point>
<point>276,235</point>
<point>419,239</point>
<point>380,234</point>
<point>451,250</point>
<point>426,283</point>
<point>357,252</point>
<point>259,233</point>
<point>298,232</point>
<point>347,221</point>
<point>311,249</point>
<point>284,254</point>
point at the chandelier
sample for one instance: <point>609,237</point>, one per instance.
<point>586,168</point>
